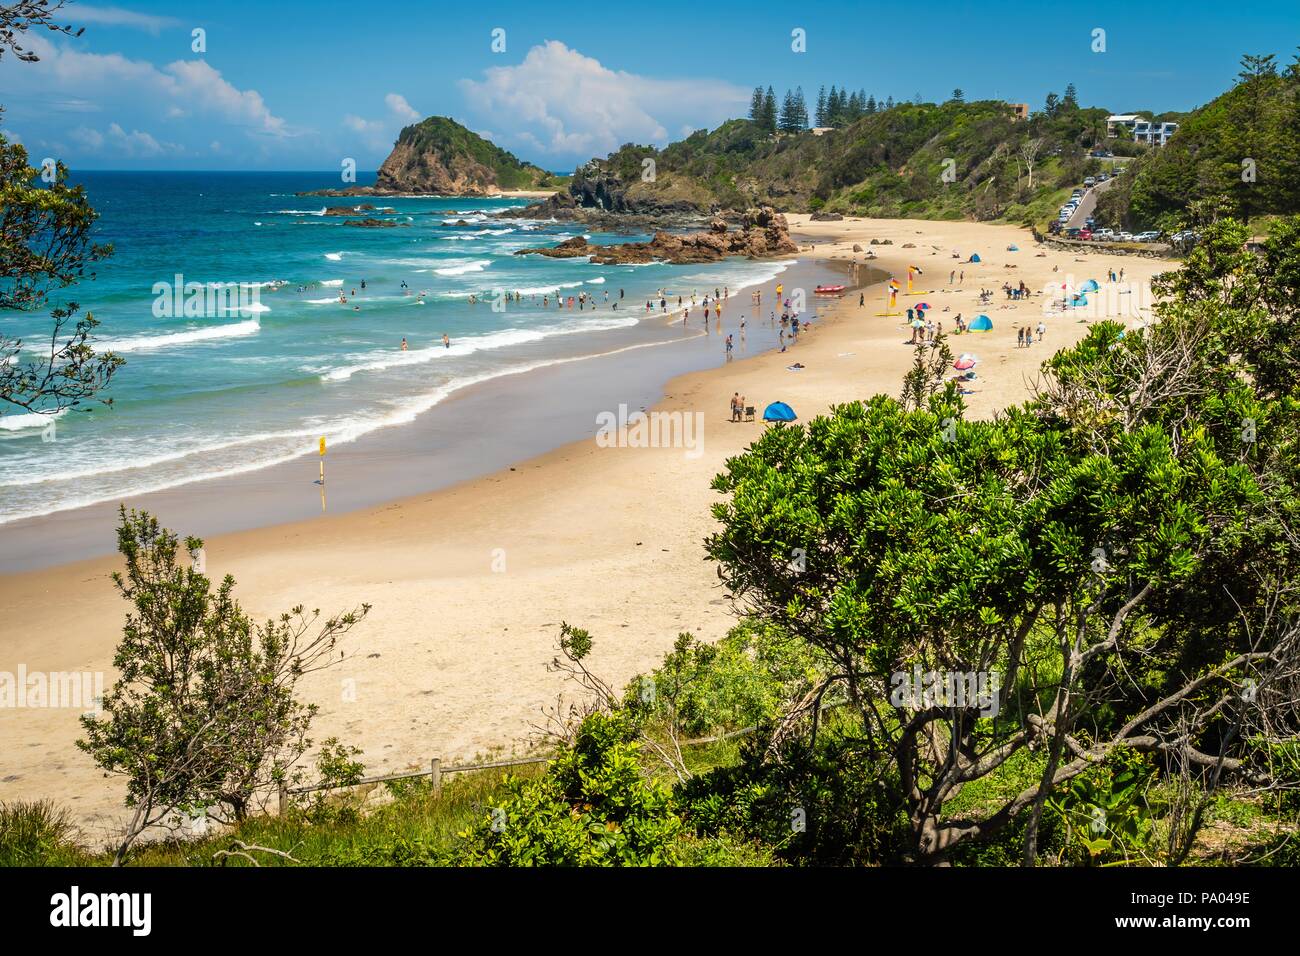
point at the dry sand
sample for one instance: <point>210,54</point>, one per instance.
<point>452,660</point>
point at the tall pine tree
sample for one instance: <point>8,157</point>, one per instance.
<point>769,111</point>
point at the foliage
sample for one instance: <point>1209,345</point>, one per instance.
<point>593,807</point>
<point>337,770</point>
<point>1105,813</point>
<point>37,834</point>
<point>46,245</point>
<point>1120,552</point>
<point>820,802</point>
<point>879,162</point>
<point>204,716</point>
<point>1243,146</point>
<point>742,680</point>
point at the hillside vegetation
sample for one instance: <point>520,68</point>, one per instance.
<point>1242,147</point>
<point>950,160</point>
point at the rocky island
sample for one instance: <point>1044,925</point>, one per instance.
<point>439,156</point>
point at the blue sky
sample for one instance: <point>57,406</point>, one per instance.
<point>298,85</point>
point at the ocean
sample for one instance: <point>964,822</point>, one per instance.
<point>265,377</point>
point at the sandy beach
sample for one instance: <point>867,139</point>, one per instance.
<point>469,584</point>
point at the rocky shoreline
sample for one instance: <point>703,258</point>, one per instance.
<point>763,234</point>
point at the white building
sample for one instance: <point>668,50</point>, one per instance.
<point>1122,124</point>
<point>1140,128</point>
<point>1153,134</point>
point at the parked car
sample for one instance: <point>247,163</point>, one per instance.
<point>1090,182</point>
<point>1085,233</point>
<point>1101,234</point>
<point>1072,232</point>
<point>1090,222</point>
<point>1103,177</point>
<point>1149,236</point>
<point>1076,194</point>
<point>1124,236</point>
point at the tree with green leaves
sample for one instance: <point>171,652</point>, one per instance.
<point>957,96</point>
<point>45,244</point>
<point>25,15</point>
<point>769,111</point>
<point>1108,569</point>
<point>204,717</point>
<point>756,105</point>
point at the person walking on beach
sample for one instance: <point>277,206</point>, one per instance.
<point>1041,329</point>
<point>446,342</point>
<point>403,343</point>
<point>862,299</point>
<point>1020,338</point>
<point>729,348</point>
<point>735,406</point>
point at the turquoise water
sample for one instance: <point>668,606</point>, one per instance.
<point>245,387</point>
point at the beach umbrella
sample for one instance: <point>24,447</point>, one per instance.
<point>981,323</point>
<point>779,412</point>
<point>924,305</point>
<point>964,363</point>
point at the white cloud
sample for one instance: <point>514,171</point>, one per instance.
<point>566,103</point>
<point>400,108</point>
<point>118,17</point>
<point>175,90</point>
<point>136,144</point>
<point>380,133</point>
<point>194,81</point>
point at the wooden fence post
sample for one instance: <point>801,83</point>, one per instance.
<point>436,776</point>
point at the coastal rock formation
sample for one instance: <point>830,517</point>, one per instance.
<point>820,216</point>
<point>764,233</point>
<point>375,223</point>
<point>438,156</point>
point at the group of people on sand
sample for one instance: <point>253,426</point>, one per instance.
<point>1025,335</point>
<point>737,407</point>
<point>1016,292</point>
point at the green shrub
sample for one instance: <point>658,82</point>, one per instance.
<point>37,834</point>
<point>594,807</point>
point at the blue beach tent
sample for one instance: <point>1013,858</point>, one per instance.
<point>981,323</point>
<point>1089,286</point>
<point>975,258</point>
<point>779,412</point>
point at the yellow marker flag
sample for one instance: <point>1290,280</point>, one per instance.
<point>322,444</point>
